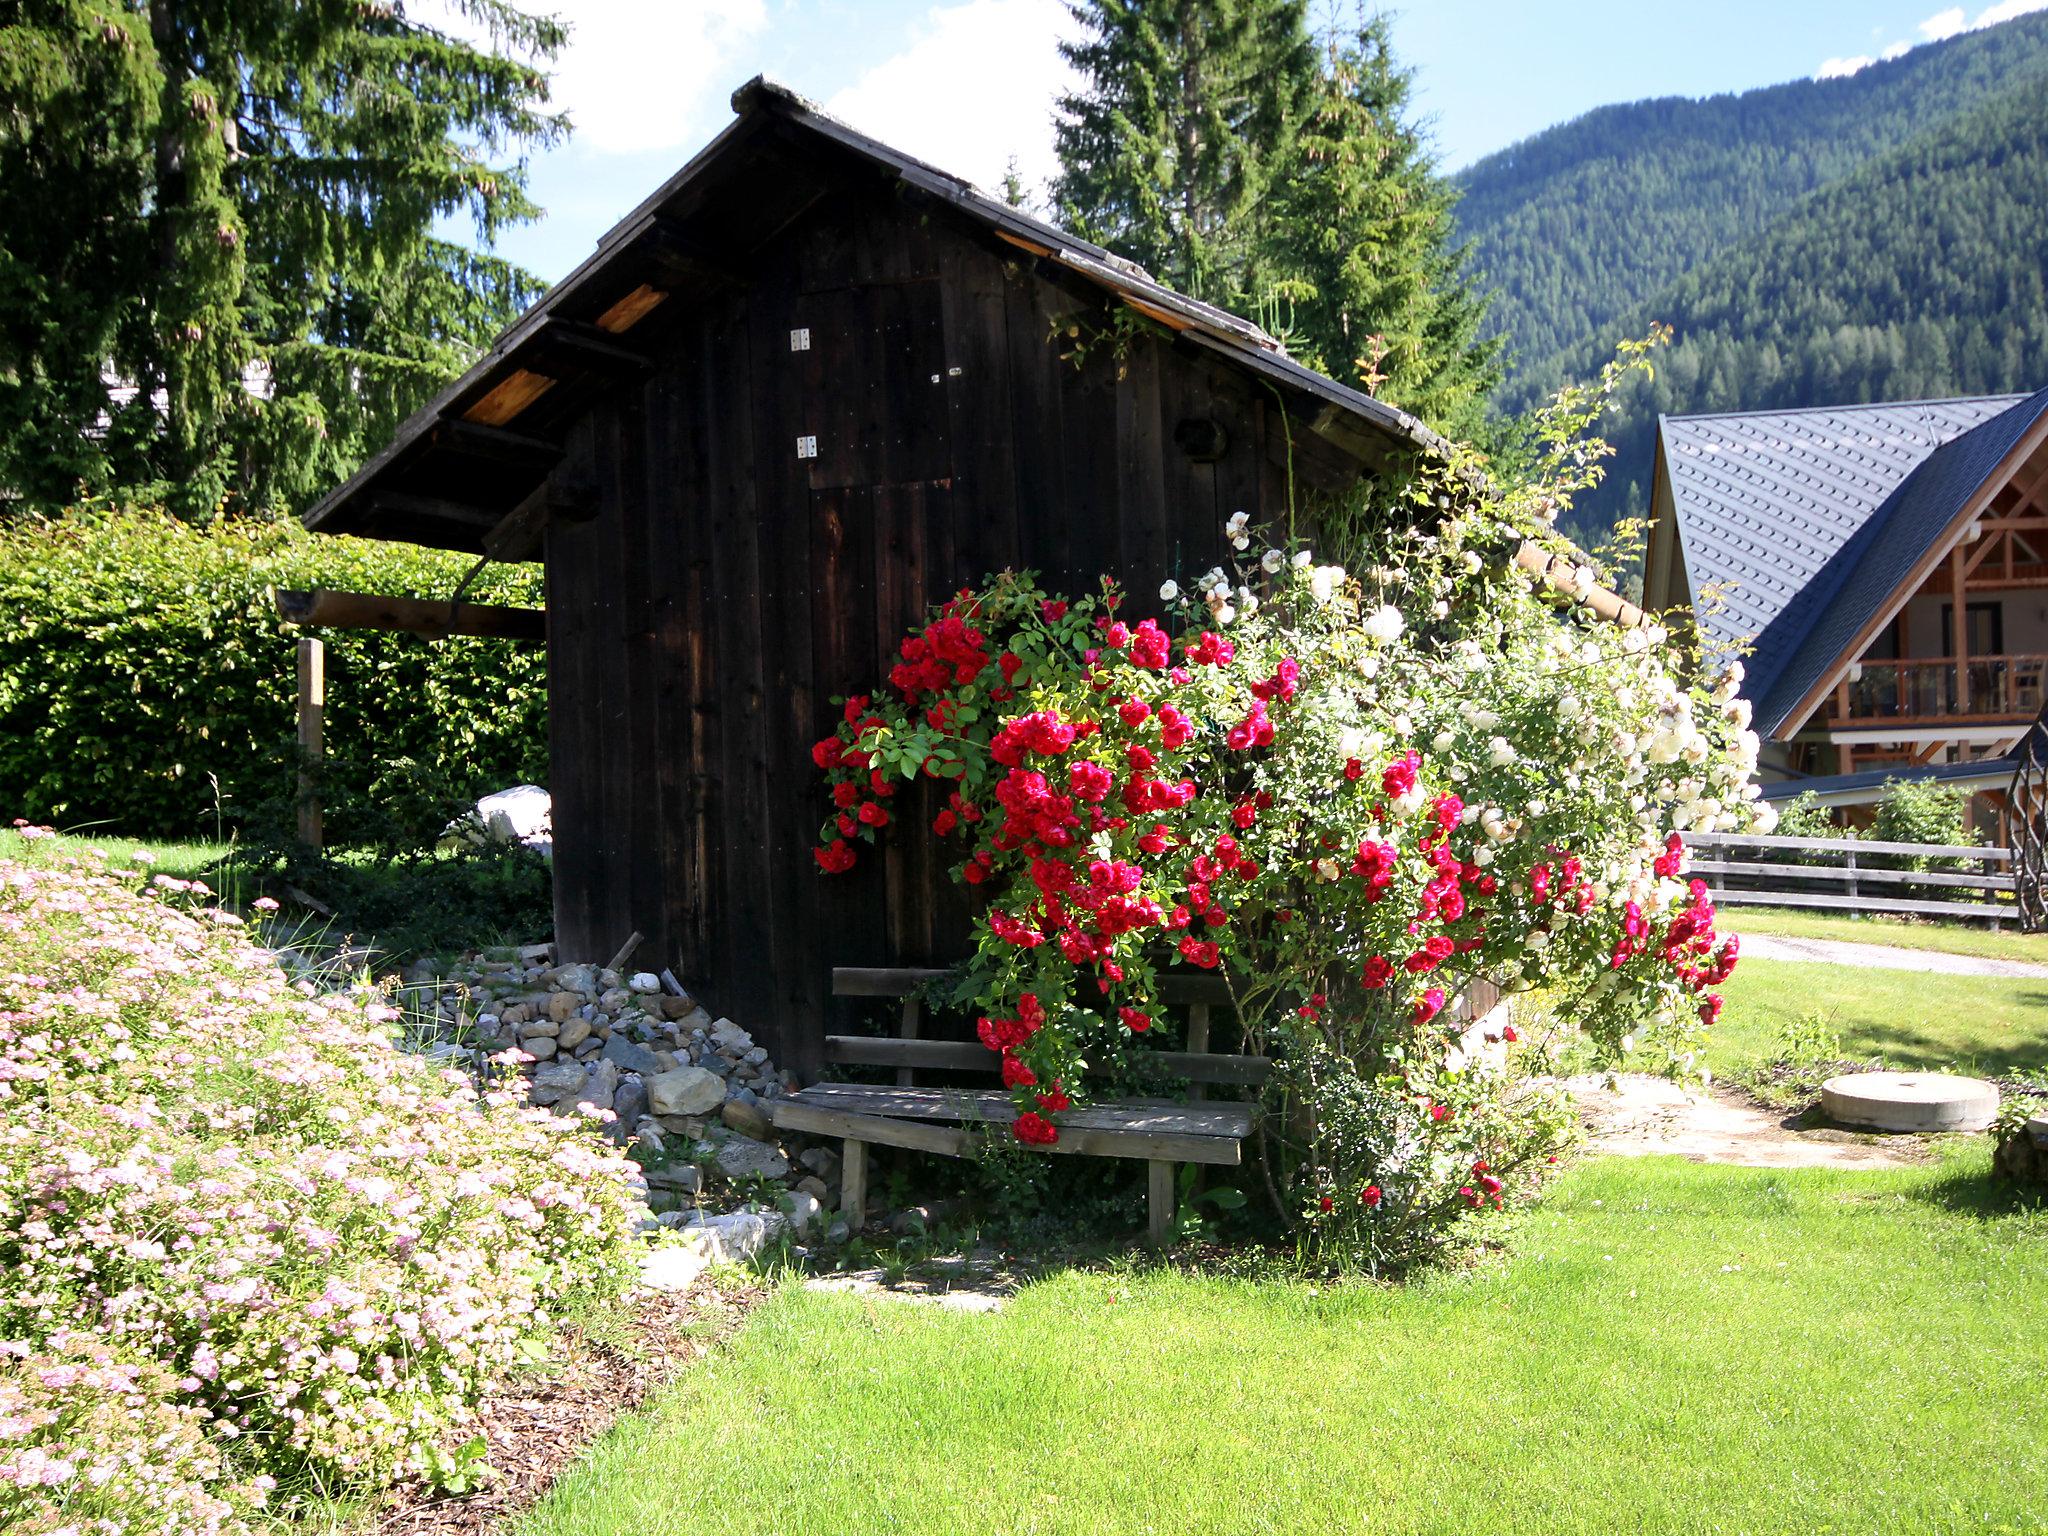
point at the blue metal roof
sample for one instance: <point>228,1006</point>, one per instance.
<point>1796,525</point>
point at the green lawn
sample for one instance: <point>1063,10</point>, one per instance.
<point>1987,1025</point>
<point>1672,1347</point>
<point>1899,932</point>
<point>186,861</point>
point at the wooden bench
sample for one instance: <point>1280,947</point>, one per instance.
<point>950,1121</point>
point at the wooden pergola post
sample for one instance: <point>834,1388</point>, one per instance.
<point>1959,611</point>
<point>312,708</point>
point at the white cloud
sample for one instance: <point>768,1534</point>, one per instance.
<point>1943,24</point>
<point>2005,10</point>
<point>976,87</point>
<point>1939,27</point>
<point>635,74</point>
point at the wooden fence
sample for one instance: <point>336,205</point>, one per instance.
<point>1854,877</point>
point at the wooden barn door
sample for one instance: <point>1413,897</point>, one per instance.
<point>874,371</point>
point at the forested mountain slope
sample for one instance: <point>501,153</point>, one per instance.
<point>1879,237</point>
<point>1581,224</point>
<point>1925,274</point>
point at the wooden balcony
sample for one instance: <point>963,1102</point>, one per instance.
<point>1938,690</point>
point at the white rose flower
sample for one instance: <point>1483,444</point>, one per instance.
<point>1500,752</point>
<point>1482,856</point>
<point>1239,521</point>
<point>1441,741</point>
<point>1272,560</point>
<point>1324,581</point>
<point>1385,624</point>
<point>1168,591</point>
<point>1303,559</point>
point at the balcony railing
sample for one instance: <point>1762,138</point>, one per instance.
<point>1990,688</point>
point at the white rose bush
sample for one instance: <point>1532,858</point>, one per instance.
<point>1353,794</point>
<point>248,1247</point>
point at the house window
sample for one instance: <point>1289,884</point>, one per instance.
<point>1987,628</point>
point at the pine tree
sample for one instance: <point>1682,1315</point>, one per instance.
<point>1361,246</point>
<point>1169,148</point>
<point>219,274</point>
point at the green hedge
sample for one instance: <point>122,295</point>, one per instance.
<point>142,664</point>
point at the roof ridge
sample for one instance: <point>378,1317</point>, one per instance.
<point>1866,405</point>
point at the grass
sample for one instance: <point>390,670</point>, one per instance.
<point>1985,1025</point>
<point>185,861</point>
<point>1898,932</point>
<point>1673,1348</point>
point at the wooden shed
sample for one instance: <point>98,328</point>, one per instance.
<point>807,388</point>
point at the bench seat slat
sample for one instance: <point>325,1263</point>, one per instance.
<point>821,1118</point>
<point>996,1108</point>
<point>968,1056</point>
<point>896,980</point>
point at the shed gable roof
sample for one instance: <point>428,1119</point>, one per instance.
<point>1804,522</point>
<point>701,223</point>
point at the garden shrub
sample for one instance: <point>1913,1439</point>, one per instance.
<point>1913,811</point>
<point>245,1243</point>
<point>1351,795</point>
<point>146,680</point>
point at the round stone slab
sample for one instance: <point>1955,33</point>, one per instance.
<point>1910,1101</point>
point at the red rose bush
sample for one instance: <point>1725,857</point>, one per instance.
<point>1351,795</point>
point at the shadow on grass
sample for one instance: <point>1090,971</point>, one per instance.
<point>1902,1042</point>
<point>1981,1194</point>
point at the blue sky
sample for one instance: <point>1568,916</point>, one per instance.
<point>969,83</point>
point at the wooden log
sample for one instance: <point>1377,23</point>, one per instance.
<point>1557,571</point>
<point>321,609</point>
<point>1840,903</point>
<point>312,739</point>
<point>1841,844</point>
<point>1853,874</point>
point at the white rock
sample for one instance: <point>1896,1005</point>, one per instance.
<point>738,1235</point>
<point>521,814</point>
<point>673,1266</point>
<point>804,1210</point>
<point>685,1091</point>
<point>645,981</point>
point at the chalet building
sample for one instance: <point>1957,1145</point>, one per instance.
<point>1886,568</point>
<point>805,390</point>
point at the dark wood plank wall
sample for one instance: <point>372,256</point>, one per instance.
<point>702,623</point>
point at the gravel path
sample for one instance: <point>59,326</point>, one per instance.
<point>1883,957</point>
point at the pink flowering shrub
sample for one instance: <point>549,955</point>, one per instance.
<point>244,1241</point>
<point>1354,796</point>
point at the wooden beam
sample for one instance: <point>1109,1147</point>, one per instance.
<point>312,738</point>
<point>591,347</point>
<point>1959,626</point>
<point>679,254</point>
<point>440,509</point>
<point>518,535</point>
<point>320,609</point>
<point>498,443</point>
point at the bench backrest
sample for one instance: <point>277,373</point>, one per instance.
<point>906,1052</point>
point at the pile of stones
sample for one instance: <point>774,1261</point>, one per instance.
<point>689,1093</point>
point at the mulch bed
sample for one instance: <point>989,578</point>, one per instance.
<point>539,1422</point>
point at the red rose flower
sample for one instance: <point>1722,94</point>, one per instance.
<point>1034,1130</point>
<point>1136,1020</point>
<point>1370,1197</point>
<point>835,858</point>
<point>1016,1074</point>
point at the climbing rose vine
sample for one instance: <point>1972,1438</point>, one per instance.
<point>1350,795</point>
